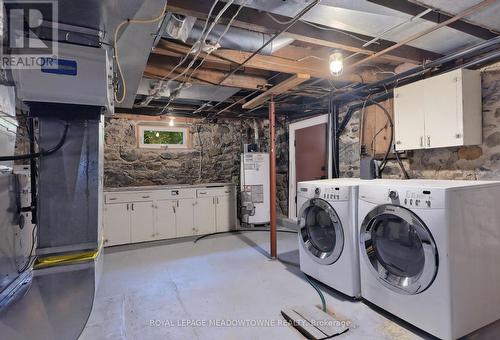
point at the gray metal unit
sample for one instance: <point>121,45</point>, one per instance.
<point>70,183</point>
<point>9,224</point>
<point>56,305</point>
<point>8,124</point>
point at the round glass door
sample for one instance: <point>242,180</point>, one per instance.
<point>399,248</point>
<point>321,232</point>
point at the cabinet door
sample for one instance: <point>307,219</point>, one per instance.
<point>441,106</point>
<point>165,219</point>
<point>224,213</point>
<point>204,215</point>
<point>409,117</point>
<point>142,221</point>
<point>184,217</point>
<point>116,224</point>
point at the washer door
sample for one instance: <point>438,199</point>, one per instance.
<point>321,232</point>
<point>399,248</point>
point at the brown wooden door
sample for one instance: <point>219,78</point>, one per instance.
<point>311,161</point>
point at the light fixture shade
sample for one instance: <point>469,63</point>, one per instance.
<point>336,63</point>
<point>171,122</point>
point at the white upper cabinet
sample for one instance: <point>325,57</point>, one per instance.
<point>409,117</point>
<point>437,112</point>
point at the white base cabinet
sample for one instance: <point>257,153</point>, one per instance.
<point>131,217</point>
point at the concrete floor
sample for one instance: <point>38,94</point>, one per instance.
<point>153,291</point>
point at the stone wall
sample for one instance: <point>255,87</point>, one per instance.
<point>470,162</point>
<point>214,156</point>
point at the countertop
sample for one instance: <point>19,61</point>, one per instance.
<point>166,187</point>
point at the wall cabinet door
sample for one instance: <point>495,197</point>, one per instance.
<point>223,212</point>
<point>409,117</point>
<point>165,219</point>
<point>117,224</point>
<point>204,217</point>
<point>184,217</point>
<point>442,111</point>
<point>142,221</point>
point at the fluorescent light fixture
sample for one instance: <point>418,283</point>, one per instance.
<point>336,63</point>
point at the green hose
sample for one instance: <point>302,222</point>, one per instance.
<point>322,297</point>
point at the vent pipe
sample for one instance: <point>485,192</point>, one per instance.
<point>239,39</point>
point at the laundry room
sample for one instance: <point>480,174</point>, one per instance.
<point>221,169</point>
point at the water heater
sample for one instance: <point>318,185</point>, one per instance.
<point>255,196</point>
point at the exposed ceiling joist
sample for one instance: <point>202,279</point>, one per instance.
<point>158,68</point>
<point>437,17</point>
<point>471,10</point>
<point>284,86</point>
<point>312,66</point>
<point>254,20</point>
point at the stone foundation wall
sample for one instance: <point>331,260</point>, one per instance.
<point>214,156</point>
<point>470,162</point>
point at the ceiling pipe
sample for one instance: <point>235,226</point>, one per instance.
<point>468,52</point>
<point>467,12</point>
<point>239,39</point>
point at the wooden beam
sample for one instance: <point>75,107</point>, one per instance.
<point>158,68</point>
<point>437,17</point>
<point>467,12</point>
<point>313,66</point>
<point>284,86</point>
<point>255,20</point>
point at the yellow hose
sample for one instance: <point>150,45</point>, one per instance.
<point>68,258</point>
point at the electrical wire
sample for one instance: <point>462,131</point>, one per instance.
<point>115,46</point>
<point>286,22</point>
<point>241,230</point>
<point>42,152</point>
<point>270,40</point>
<point>181,85</point>
<point>220,36</point>
<point>382,165</point>
<point>31,259</point>
<point>405,173</point>
<point>193,46</point>
<point>202,39</point>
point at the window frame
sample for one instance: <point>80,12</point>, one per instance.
<point>143,128</point>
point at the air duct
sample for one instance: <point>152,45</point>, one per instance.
<point>239,39</point>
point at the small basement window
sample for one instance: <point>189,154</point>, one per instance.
<point>163,137</point>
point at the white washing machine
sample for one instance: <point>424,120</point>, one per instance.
<point>328,242</point>
<point>429,252</point>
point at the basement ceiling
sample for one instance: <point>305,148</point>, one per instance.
<point>367,18</point>
<point>487,18</point>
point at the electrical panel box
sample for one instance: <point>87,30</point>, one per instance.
<point>437,112</point>
<point>79,75</point>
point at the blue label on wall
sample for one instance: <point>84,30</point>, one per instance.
<point>60,66</point>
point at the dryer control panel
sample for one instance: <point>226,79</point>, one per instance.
<point>334,193</point>
<point>408,197</point>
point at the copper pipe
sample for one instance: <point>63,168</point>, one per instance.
<point>272,176</point>
<point>459,16</point>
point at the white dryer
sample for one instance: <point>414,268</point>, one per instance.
<point>429,252</point>
<point>328,243</point>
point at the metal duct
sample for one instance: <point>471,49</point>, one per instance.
<point>239,39</point>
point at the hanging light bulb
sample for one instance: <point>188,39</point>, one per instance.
<point>171,122</point>
<point>336,63</point>
<point>157,134</point>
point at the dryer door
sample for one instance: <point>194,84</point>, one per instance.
<point>321,232</point>
<point>399,248</point>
